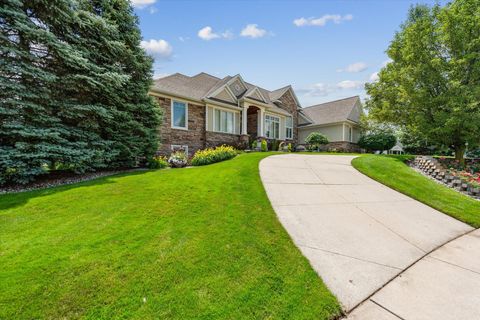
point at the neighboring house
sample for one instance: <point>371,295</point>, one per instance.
<point>205,111</point>
<point>337,120</point>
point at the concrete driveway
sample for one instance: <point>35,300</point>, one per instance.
<point>380,252</point>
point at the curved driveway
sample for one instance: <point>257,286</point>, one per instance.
<point>375,248</point>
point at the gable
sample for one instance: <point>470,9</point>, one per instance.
<point>256,95</point>
<point>237,87</point>
<point>224,95</point>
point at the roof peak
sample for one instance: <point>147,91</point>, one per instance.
<point>320,104</point>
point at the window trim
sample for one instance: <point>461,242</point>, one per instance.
<point>214,124</point>
<point>288,127</point>
<point>172,114</point>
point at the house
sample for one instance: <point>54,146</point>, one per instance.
<point>337,120</point>
<point>205,111</point>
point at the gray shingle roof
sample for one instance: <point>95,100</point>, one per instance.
<point>203,84</point>
<point>335,111</point>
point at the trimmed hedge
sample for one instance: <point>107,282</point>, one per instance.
<point>210,155</point>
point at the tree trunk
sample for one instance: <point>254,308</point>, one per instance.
<point>459,154</point>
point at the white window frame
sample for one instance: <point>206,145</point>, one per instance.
<point>272,118</point>
<point>350,133</point>
<point>179,146</point>
<point>214,126</point>
<point>288,127</point>
<point>172,115</point>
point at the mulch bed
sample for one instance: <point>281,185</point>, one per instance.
<point>59,178</point>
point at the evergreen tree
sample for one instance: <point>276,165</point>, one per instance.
<point>74,84</point>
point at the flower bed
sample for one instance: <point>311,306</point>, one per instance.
<point>463,178</point>
<point>212,155</point>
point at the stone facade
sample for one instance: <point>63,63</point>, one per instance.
<point>194,137</point>
<point>289,105</point>
<point>341,146</point>
<point>215,139</point>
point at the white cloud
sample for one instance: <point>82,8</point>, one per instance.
<point>374,77</point>
<point>322,21</point>
<point>354,67</point>
<point>183,39</point>
<point>142,3</point>
<point>157,48</point>
<point>253,31</point>
<point>350,84</point>
<point>152,10</point>
<point>207,33</point>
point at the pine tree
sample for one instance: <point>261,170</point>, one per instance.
<point>73,90</point>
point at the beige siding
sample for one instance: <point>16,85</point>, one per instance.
<point>237,123</point>
<point>225,96</point>
<point>333,132</point>
<point>282,128</point>
<point>356,134</point>
<point>209,118</point>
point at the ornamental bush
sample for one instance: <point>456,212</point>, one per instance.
<point>377,141</point>
<point>264,146</point>
<point>316,139</point>
<point>157,162</point>
<point>212,155</point>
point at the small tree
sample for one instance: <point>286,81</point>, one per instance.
<point>316,139</point>
<point>378,141</point>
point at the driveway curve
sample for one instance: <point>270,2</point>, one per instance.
<point>380,252</point>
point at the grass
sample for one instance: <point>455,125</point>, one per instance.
<point>198,243</point>
<point>393,172</point>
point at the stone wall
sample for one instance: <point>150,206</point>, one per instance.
<point>289,104</point>
<point>341,146</point>
<point>194,137</point>
<point>214,139</point>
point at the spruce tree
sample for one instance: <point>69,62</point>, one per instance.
<point>74,84</point>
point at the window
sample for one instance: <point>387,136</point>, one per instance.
<point>179,115</point>
<point>224,121</point>
<point>289,128</point>
<point>350,134</point>
<point>272,127</point>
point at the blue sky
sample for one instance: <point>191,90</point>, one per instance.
<point>326,50</point>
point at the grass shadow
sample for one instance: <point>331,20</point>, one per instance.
<point>13,200</point>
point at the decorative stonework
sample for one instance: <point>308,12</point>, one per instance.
<point>194,137</point>
<point>341,146</point>
<point>288,104</point>
<point>433,169</point>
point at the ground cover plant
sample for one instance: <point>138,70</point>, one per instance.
<point>394,173</point>
<point>198,243</point>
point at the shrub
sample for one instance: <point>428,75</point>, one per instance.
<point>254,144</point>
<point>316,139</point>
<point>178,159</point>
<point>380,141</point>
<point>290,148</point>
<point>264,146</point>
<point>157,162</point>
<point>208,156</point>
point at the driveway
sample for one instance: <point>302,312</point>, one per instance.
<point>383,254</point>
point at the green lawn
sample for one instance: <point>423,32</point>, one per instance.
<point>393,172</point>
<point>199,243</point>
